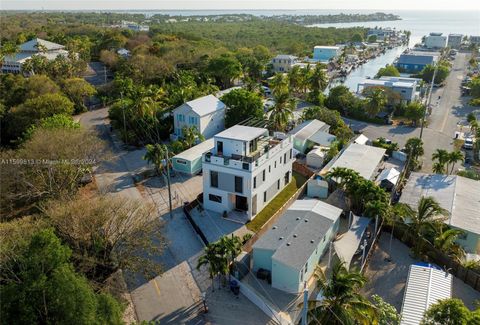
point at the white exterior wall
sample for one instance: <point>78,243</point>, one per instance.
<point>233,168</point>
<point>212,124</point>
<point>433,41</point>
<point>208,125</point>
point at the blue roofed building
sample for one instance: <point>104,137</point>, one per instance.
<point>415,61</point>
<point>292,248</point>
<point>325,53</point>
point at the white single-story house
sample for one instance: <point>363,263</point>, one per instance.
<point>426,285</point>
<point>460,196</point>
<point>292,248</point>
<point>363,159</point>
<point>190,160</point>
<point>311,133</point>
<point>206,113</point>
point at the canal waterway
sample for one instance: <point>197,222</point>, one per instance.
<point>369,69</point>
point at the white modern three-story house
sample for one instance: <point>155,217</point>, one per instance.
<point>245,170</point>
<point>206,113</point>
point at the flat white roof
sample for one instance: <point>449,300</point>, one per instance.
<point>327,47</point>
<point>361,139</point>
<point>425,286</point>
<point>389,83</point>
<point>241,133</point>
<point>196,151</point>
<point>361,158</point>
<point>458,195</point>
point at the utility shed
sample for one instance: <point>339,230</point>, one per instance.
<point>190,160</point>
<point>460,196</point>
<point>315,157</point>
<point>426,285</point>
<point>291,249</point>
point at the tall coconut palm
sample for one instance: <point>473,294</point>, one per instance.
<point>446,242</point>
<point>210,258</point>
<point>424,222</point>
<point>376,100</point>
<point>318,79</point>
<point>453,158</point>
<point>438,168</point>
<point>156,155</point>
<point>442,156</point>
<point>295,79</point>
<point>279,84</point>
<point>282,112</point>
<point>341,302</point>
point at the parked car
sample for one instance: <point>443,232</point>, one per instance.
<point>468,144</point>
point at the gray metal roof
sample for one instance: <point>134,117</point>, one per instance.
<point>206,105</point>
<point>298,232</point>
<point>285,57</point>
<point>242,133</point>
<point>196,151</point>
<point>361,158</point>
<point>426,285</point>
<point>307,129</point>
<point>416,59</point>
<point>458,195</point>
<point>32,45</point>
<point>322,138</point>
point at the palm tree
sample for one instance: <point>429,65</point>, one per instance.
<point>424,222</point>
<point>318,79</point>
<point>190,136</point>
<point>474,126</point>
<point>445,242</point>
<point>231,247</point>
<point>156,154</point>
<point>279,85</point>
<point>342,303</point>
<point>453,158</point>
<point>295,76</point>
<point>282,112</point>
<point>376,100</point>
<point>438,168</point>
<point>211,259</point>
<point>443,158</point>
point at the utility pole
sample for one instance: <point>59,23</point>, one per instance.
<point>124,120</point>
<point>428,96</point>
<point>168,183</point>
<point>305,304</point>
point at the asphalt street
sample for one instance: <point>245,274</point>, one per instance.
<point>449,110</point>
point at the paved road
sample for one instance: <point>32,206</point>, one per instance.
<point>448,114</point>
<point>175,296</point>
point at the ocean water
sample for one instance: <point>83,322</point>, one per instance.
<point>421,23</point>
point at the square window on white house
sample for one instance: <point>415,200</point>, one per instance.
<point>215,198</point>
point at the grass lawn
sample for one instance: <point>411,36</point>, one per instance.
<point>277,202</point>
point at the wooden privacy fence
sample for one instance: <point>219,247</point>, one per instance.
<point>469,276</point>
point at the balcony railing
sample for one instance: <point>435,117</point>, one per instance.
<point>246,162</point>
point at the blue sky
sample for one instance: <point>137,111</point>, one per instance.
<point>384,5</point>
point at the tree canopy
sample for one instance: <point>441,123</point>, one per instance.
<point>242,104</point>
